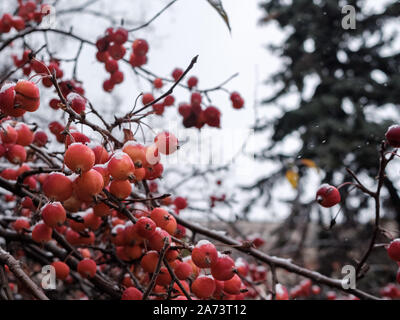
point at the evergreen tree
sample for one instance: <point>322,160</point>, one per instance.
<point>358,75</point>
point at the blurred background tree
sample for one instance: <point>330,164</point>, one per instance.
<point>353,77</point>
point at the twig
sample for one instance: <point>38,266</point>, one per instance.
<point>157,270</point>
<point>154,18</point>
<point>15,267</point>
<point>176,280</point>
<point>376,196</point>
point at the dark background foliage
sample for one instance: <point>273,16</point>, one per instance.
<point>333,136</point>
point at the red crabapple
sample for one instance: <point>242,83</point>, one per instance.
<point>76,137</point>
<point>169,100</point>
<point>87,268</point>
<point>121,166</point>
<point>102,56</point>
<point>21,224</point>
<point>3,150</point>
<point>57,187</point>
<point>91,221</point>
<point>237,100</point>
<point>328,196</point>
<point>158,239</point>
<point>137,61</point>
<point>112,66</point>
<point>132,252</point>
<point>163,277</point>
<point>159,108</point>
<point>147,98</point>
<point>9,174</point>
<point>117,51</point>
<point>18,23</point>
<point>55,127</point>
<point>102,169</point>
<point>212,116</point>
<point>25,135</point>
<point>233,286</point>
<point>101,154</point>
<point>205,255</point>
<point>55,69</point>
<point>154,172</point>
<point>166,143</point>
<point>158,83</point>
<point>76,102</point>
<point>41,233</point>
<point>196,98</point>
<point>316,290</point>
<point>27,95</point>
<point>132,294</point>
<point>281,292</point>
<point>242,266</point>
<point>7,100</point>
<point>79,158</point>
<point>131,236</point>
<point>331,295</point>
<point>180,203</point>
<point>102,44</point>
<point>136,151</point>
<point>72,204</point>
<point>183,270</point>
<point>117,77</point>
<point>108,86</point>
<point>120,188</point>
<point>9,135</point>
<point>88,185</point>
<point>179,290</point>
<point>53,214</point>
<point>164,220</point>
<point>120,36</point>
<point>62,269</point>
<point>16,154</point>
<point>203,287</point>
<point>394,250</point>
<point>393,136</point>
<point>27,203</point>
<point>185,110</point>
<point>180,231</point>
<point>118,235</point>
<point>140,47</point>
<point>177,73</point>
<point>145,227</point>
<point>192,82</point>
<point>149,261</point>
<point>223,269</point>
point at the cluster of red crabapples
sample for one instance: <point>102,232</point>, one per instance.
<point>18,98</point>
<point>111,49</point>
<point>206,273</point>
<point>28,64</point>
<point>193,113</point>
<point>28,12</point>
<point>69,88</point>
